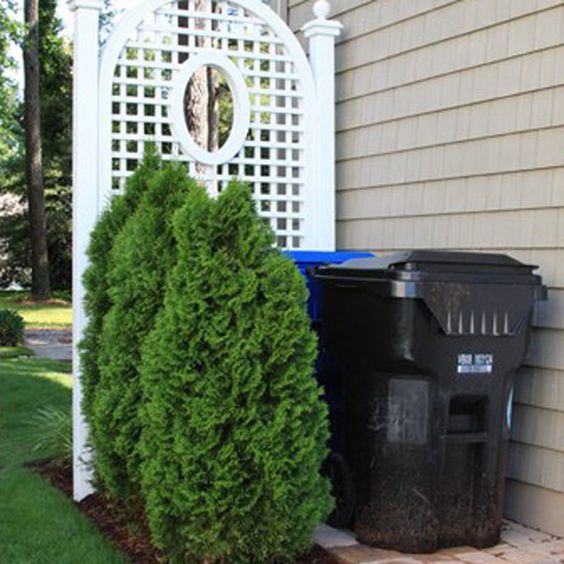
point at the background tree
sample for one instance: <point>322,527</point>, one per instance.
<point>56,121</point>
<point>9,34</point>
<point>9,133</point>
<point>40,284</point>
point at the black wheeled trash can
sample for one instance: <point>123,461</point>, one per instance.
<point>428,343</point>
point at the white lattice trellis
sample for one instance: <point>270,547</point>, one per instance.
<point>281,141</point>
<point>142,62</point>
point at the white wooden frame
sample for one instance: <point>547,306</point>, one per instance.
<point>295,129</point>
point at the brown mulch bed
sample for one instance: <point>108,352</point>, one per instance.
<point>124,530</point>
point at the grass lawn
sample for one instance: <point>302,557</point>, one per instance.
<point>14,352</point>
<point>38,523</point>
<point>55,314</point>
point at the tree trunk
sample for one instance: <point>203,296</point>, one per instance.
<point>213,112</point>
<point>200,101</point>
<point>40,284</point>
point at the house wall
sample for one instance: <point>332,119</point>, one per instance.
<point>450,118</point>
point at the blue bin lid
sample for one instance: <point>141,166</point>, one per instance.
<point>314,258</point>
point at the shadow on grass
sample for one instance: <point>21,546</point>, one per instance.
<point>25,386</point>
<point>15,352</point>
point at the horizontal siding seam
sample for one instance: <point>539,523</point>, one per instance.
<point>493,248</point>
<point>540,447</point>
<point>447,178</point>
<point>439,214</point>
<point>402,21</point>
<point>535,485</point>
<point>450,143</point>
<point>501,248</point>
<point>435,180</point>
<point>439,41</point>
<point>559,411</point>
<point>407,116</point>
<point>336,13</point>
<point>443,74</point>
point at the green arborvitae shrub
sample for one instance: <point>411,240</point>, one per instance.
<point>11,328</point>
<point>96,299</point>
<point>142,256</point>
<point>234,427</point>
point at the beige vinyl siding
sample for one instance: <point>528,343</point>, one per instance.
<point>450,134</point>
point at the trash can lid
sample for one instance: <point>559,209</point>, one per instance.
<point>427,262</point>
<point>468,293</point>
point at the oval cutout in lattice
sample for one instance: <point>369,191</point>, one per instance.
<point>241,108</point>
<point>208,108</point>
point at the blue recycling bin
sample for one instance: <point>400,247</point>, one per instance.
<point>308,259</point>
<point>330,376</point>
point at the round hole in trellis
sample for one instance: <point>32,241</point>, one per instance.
<point>208,108</point>
<point>241,109</point>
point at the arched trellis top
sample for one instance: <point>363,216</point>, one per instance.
<point>269,71</point>
<point>135,91</point>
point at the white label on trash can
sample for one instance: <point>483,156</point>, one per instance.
<point>475,363</point>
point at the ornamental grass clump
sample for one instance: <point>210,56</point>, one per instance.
<point>234,428</point>
<point>96,285</point>
<point>143,254</point>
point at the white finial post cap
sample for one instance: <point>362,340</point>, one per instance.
<point>322,9</point>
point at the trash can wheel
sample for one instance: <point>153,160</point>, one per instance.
<point>337,470</point>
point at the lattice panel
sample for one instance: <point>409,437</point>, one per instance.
<point>272,156</point>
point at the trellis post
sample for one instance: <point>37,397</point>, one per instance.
<point>85,204</point>
<point>321,34</point>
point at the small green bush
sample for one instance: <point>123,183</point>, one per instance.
<point>97,299</point>
<point>11,328</point>
<point>142,255</point>
<point>234,428</point>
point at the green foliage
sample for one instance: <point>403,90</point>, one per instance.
<point>106,21</point>
<point>143,254</point>
<point>56,124</point>
<point>10,134</point>
<point>234,427</point>
<point>53,428</point>
<point>9,34</point>
<point>11,328</point>
<point>97,300</point>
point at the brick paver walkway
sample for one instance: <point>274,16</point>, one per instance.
<point>520,545</point>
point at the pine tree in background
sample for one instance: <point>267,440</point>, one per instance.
<point>143,254</point>
<point>55,96</point>
<point>235,430</point>
<point>40,278</point>
<point>97,299</point>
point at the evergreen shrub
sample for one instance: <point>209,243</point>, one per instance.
<point>96,298</point>
<point>143,254</point>
<point>234,428</point>
<point>11,328</point>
